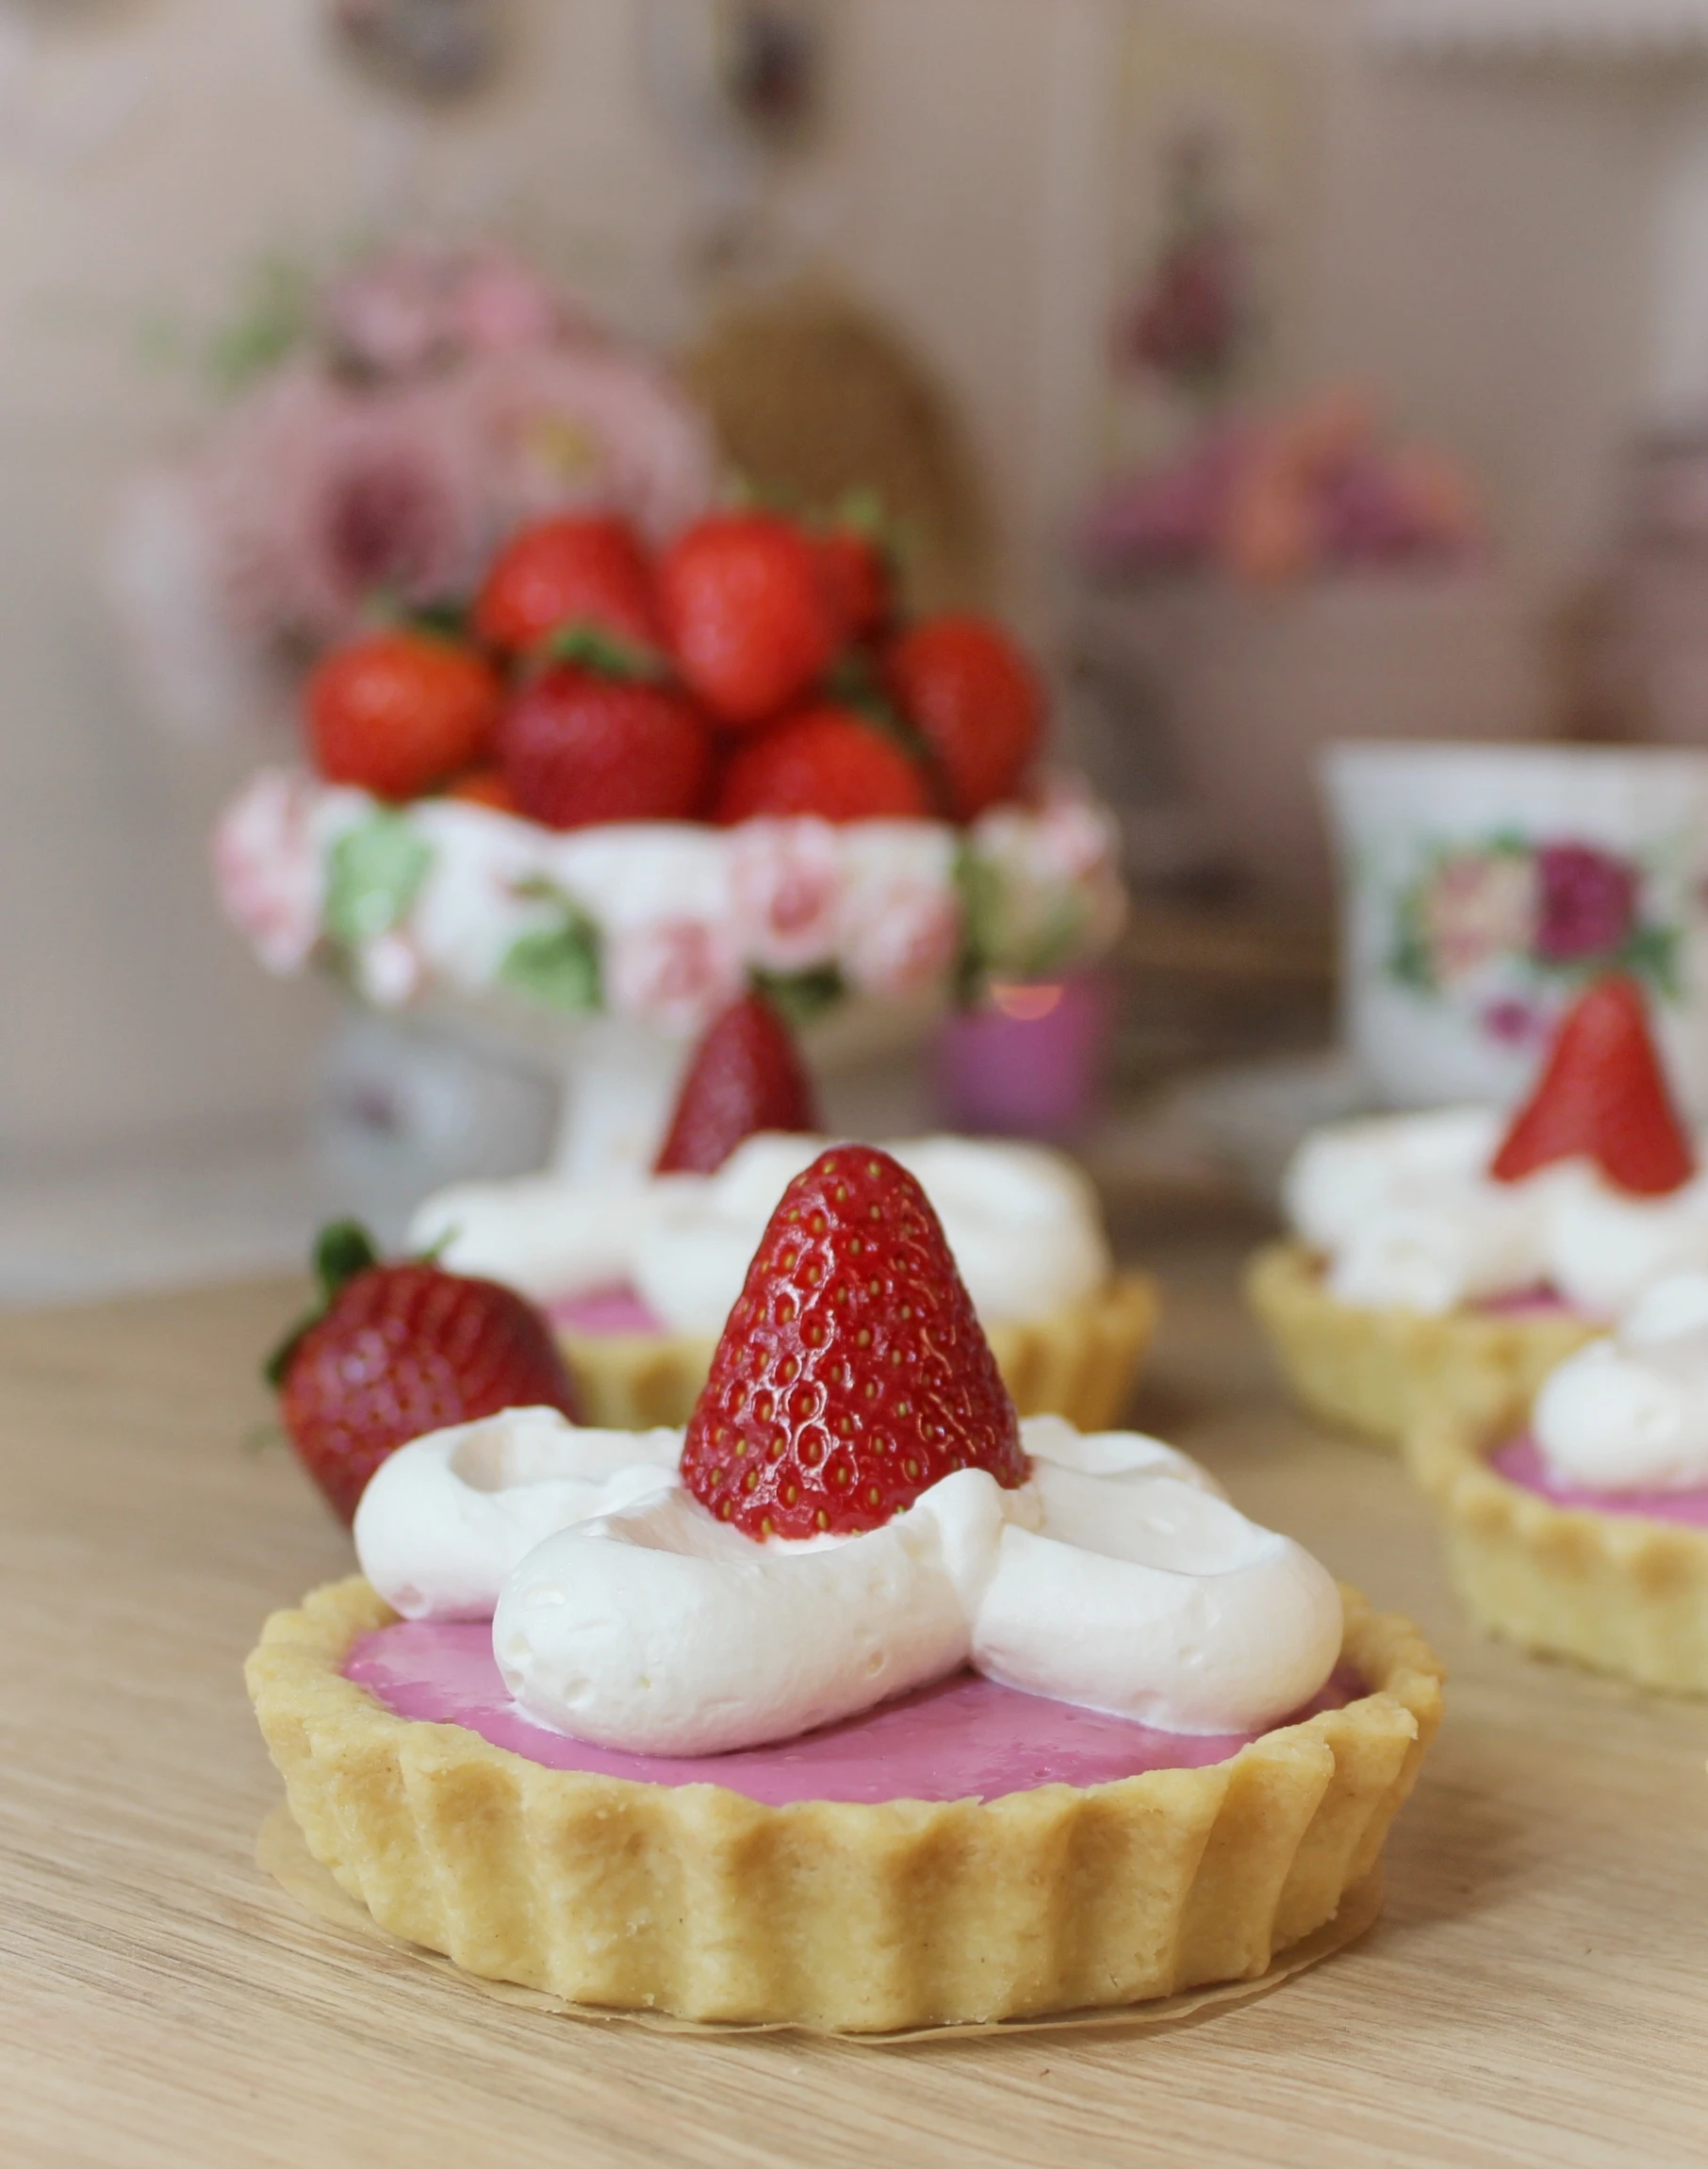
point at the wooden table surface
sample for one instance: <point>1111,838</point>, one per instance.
<point>1537,1991</point>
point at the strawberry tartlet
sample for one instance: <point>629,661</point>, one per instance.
<point>639,1275</point>
<point>1580,1527</point>
<point>1448,1261</point>
<point>858,1703</point>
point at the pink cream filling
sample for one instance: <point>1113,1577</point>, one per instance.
<point>1525,1303</point>
<point>615,1309</point>
<point>962,1738</point>
<point>1521,1462</point>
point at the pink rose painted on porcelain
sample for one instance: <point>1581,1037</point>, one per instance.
<point>267,869</point>
<point>672,973</point>
<point>900,939</point>
<point>1478,905</point>
<point>1588,902</point>
<point>1511,1022</point>
<point>786,881</point>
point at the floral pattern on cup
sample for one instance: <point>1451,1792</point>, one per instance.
<point>1508,925</point>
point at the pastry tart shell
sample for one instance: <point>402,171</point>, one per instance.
<point>1619,1592</point>
<point>1380,1373</point>
<point>1079,1362</point>
<point>696,1900</point>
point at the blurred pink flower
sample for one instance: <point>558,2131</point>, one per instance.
<point>1475,906</point>
<point>321,497</point>
<point>557,427</point>
<point>785,878</point>
<point>268,870</point>
<point>671,973</point>
<point>898,939</point>
<point>415,307</point>
<point>1588,902</point>
<point>498,301</point>
<point>388,312</point>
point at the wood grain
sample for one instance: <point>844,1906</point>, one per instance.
<point>1536,1991</point>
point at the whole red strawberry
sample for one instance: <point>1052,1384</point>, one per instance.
<point>401,1350</point>
<point>578,747</point>
<point>853,1373</point>
<point>745,615</point>
<point>397,713</point>
<point>828,760</point>
<point>565,573</point>
<point>976,700</point>
<point>855,574</point>
<point>745,1076</point>
<point>1603,1096</point>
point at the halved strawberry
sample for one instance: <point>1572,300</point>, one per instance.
<point>746,1075</point>
<point>853,1373</point>
<point>399,1350</point>
<point>830,761</point>
<point>1603,1096</point>
<point>560,574</point>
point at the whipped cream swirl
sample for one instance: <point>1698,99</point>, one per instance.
<point>1021,1222</point>
<point>1405,1214</point>
<point>1629,1412</point>
<point>1117,1578</point>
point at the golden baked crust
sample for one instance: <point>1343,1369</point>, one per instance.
<point>1079,1362</point>
<point>1616,1591</point>
<point>696,1901</point>
<point>1382,1372</point>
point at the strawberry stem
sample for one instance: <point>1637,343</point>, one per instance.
<point>342,1249</point>
<point>591,648</point>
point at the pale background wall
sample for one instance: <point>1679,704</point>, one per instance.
<point>1479,256</point>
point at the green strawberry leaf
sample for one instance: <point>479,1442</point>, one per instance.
<point>375,871</point>
<point>342,1250</point>
<point>800,998</point>
<point>591,648</point>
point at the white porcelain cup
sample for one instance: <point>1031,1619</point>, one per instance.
<point>1482,886</point>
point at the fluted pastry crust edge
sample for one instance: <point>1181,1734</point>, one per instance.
<point>696,1900</point>
<point>1619,1592</point>
<point>1382,1372</point>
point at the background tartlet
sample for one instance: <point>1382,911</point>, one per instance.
<point>1620,1592</point>
<point>1381,1371</point>
<point>1080,1362</point>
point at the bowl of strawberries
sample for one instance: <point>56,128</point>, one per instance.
<point>584,809</point>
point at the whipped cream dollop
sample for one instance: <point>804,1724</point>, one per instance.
<point>1021,1220</point>
<point>1117,1578</point>
<point>1629,1412</point>
<point>1405,1214</point>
